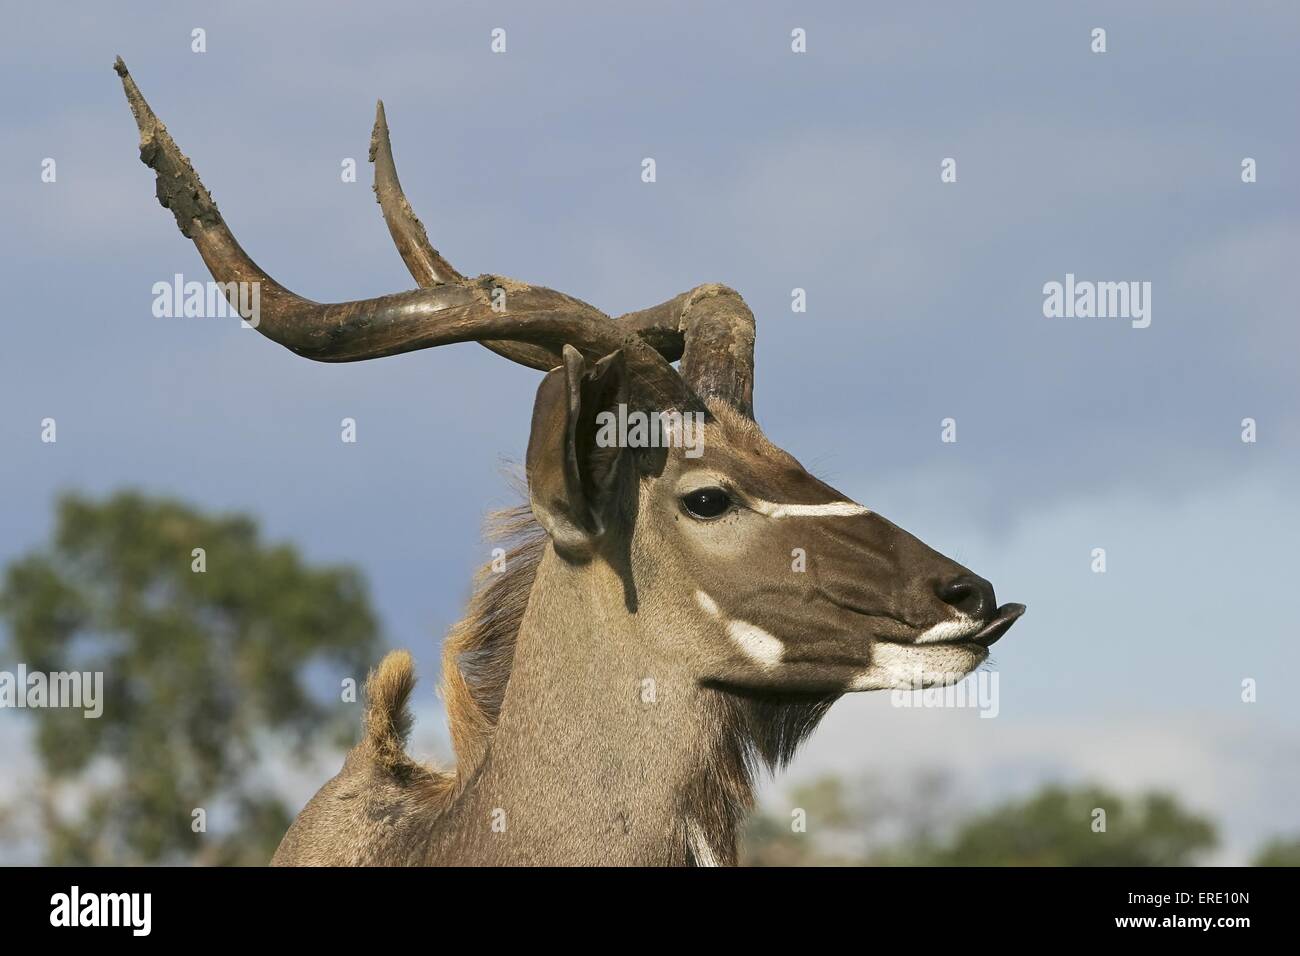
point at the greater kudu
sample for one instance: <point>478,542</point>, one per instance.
<point>666,622</point>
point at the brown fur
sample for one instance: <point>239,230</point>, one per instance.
<point>378,809</point>
<point>387,720</point>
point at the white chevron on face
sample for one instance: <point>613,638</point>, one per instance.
<point>777,509</point>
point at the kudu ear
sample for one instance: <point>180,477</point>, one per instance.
<point>571,479</point>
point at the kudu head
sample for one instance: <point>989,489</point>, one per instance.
<point>764,578</point>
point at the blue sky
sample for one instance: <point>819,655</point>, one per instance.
<point>774,171</point>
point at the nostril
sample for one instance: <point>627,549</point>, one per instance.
<point>971,595</point>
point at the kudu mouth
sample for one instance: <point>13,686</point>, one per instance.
<point>991,632</point>
<point>953,633</point>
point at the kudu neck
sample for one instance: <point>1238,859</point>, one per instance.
<point>606,751</point>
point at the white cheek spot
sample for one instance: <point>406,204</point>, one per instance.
<point>756,644</point>
<point>949,631</point>
<point>707,603</point>
<point>841,509</point>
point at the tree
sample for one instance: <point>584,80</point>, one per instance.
<point>1280,851</point>
<point>204,655</point>
<point>843,820</point>
<point>918,823</point>
<point>1056,827</point>
<point>823,813</point>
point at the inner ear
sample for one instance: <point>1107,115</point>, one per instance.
<point>572,479</point>
<point>601,390</point>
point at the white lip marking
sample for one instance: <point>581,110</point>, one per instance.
<point>776,509</point>
<point>949,631</point>
<point>756,644</point>
<point>898,666</point>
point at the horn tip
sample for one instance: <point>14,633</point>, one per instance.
<point>145,119</point>
<point>178,185</point>
<point>379,134</point>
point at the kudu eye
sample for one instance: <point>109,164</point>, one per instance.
<point>707,502</point>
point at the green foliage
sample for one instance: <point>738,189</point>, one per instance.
<point>920,824</point>
<point>197,668</point>
<point>1282,851</point>
<point>826,809</point>
<point>1054,827</point>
